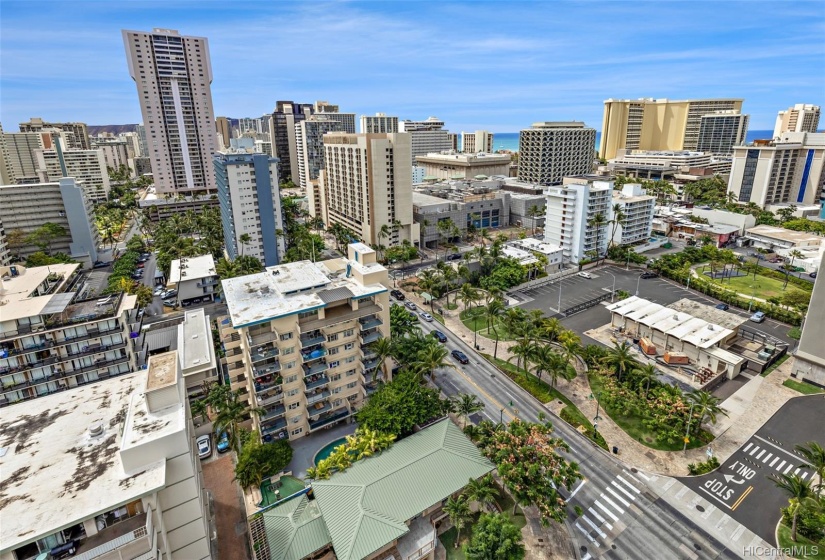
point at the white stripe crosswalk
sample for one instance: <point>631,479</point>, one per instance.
<point>772,459</point>
<point>613,501</point>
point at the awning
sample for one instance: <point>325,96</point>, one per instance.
<point>426,297</point>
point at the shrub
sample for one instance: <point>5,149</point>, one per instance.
<point>703,468</point>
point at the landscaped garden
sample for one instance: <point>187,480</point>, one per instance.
<point>476,320</point>
<point>804,388</point>
<point>762,287</point>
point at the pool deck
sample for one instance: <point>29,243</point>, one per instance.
<point>289,486</point>
<point>304,449</point>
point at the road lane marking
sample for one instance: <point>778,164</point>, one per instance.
<point>595,527</point>
<point>626,503</point>
<point>601,519</point>
<point>775,459</point>
<point>579,487</point>
<point>754,450</point>
<point>628,484</point>
<point>607,511</point>
<point>741,498</point>
<point>795,457</point>
<point>796,472</point>
<point>642,475</point>
<point>486,394</point>
<point>780,465</point>
<point>587,556</point>
<point>623,491</point>
<point>761,453</point>
<point>606,499</point>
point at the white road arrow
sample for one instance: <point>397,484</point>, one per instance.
<point>730,478</point>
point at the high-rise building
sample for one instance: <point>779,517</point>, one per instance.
<point>426,137</point>
<point>638,209</point>
<point>720,131</point>
<point>550,151</point>
<point>79,138</point>
<point>173,73</point>
<point>224,131</point>
<point>87,166</point>
<point>367,184</point>
<point>115,151</point>
<point>123,454</point>
<point>5,175</point>
<point>282,134</point>
<point>788,169</point>
<point>571,219</point>
<point>347,120</point>
<point>54,337</point>
<point>250,204</point>
<point>378,124</point>
<point>809,358</point>
<point>5,254</point>
<point>141,132</point>
<point>309,138</point>
<point>799,118</point>
<point>18,153</point>
<point>453,136</point>
<point>299,342</point>
<point>656,124</point>
<point>24,208</point>
<point>478,141</point>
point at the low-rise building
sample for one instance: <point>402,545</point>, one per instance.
<point>299,337</point>
<point>194,278</point>
<point>382,507</point>
<point>119,463</point>
<point>553,253</point>
<point>720,235</point>
<point>24,208</point>
<point>638,210</point>
<point>164,206</point>
<point>53,336</point>
<point>453,165</point>
<point>774,237</point>
<point>475,204</point>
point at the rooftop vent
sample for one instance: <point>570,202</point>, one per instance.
<point>194,336</point>
<point>710,327</point>
<point>96,429</point>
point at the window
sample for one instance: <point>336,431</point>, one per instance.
<point>335,377</point>
<point>289,350</point>
<point>291,379</point>
<point>349,346</point>
<point>350,373</point>
<point>348,332</point>
<point>286,336</point>
<point>334,364</point>
<point>292,392</point>
<point>295,419</point>
<point>290,365</point>
<point>351,385</point>
<point>333,351</point>
<point>296,431</point>
<point>349,360</point>
<point>337,390</point>
<point>332,337</point>
<point>293,406</point>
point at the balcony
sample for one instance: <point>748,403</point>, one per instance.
<point>317,367</point>
<point>419,540</point>
<point>370,323</point>
<point>370,337</point>
<point>270,399</point>
<point>368,353</point>
<point>368,390</point>
<point>128,539</point>
<point>312,339</point>
<point>267,382</point>
<point>275,426</point>
<point>267,368</point>
<point>317,397</point>
<point>371,364</point>
<point>272,413</point>
<point>315,381</point>
<point>333,416</point>
<point>318,408</point>
<point>314,355</point>
<point>342,314</point>
<point>262,338</point>
<point>264,353</point>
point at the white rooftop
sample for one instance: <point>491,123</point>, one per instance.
<point>56,474</point>
<point>522,256</point>
<point>192,268</point>
<point>538,246</point>
<point>783,234</point>
<point>16,291</point>
<point>195,341</point>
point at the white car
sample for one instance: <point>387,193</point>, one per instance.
<point>426,316</point>
<point>159,290</point>
<point>204,444</point>
<point>586,275</point>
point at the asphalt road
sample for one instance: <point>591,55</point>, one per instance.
<point>621,519</point>
<point>741,485</point>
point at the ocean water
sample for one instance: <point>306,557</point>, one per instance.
<point>509,140</point>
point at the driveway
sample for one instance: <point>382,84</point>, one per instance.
<point>230,518</point>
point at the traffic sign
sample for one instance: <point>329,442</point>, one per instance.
<point>687,440</point>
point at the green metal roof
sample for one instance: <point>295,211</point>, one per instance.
<point>295,529</point>
<point>367,506</point>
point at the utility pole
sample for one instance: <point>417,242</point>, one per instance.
<point>690,417</point>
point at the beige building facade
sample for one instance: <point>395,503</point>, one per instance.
<point>87,166</point>
<point>802,117</point>
<point>656,124</point>
<point>79,132</point>
<point>478,141</point>
<point>451,165</point>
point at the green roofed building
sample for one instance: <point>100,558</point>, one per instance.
<point>381,507</point>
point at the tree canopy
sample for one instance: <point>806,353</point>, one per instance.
<point>257,461</point>
<point>495,537</point>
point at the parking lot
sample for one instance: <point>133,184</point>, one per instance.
<point>576,290</point>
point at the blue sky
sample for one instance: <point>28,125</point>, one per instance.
<point>482,65</point>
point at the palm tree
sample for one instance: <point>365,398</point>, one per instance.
<point>384,349</point>
<point>572,348</point>
<point>244,238</point>
<point>597,222</point>
<point>494,310</point>
<point>483,491</point>
<point>619,359</point>
<point>433,357</point>
<point>619,218</point>
<point>200,408</point>
<point>383,233</point>
<point>541,358</point>
<point>230,413</point>
<point>799,490</point>
<point>459,512</point>
<point>555,365</point>
<point>521,351</point>
<point>708,406</point>
<point>814,454</point>
<point>551,329</point>
<point>533,213</point>
<point>466,405</point>
<point>645,374</point>
<point>795,254</point>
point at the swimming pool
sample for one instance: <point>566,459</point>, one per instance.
<point>327,450</point>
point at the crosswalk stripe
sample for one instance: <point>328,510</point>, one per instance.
<point>623,491</point>
<point>790,466</point>
<point>586,534</point>
<point>754,450</point>
<point>780,465</point>
<point>804,474</point>
<point>607,511</point>
<point>587,556</point>
<point>775,459</point>
<point>628,484</point>
<point>617,508</point>
<point>595,527</point>
<point>626,503</point>
<point>796,472</point>
<point>768,456</point>
<point>601,519</point>
<point>748,446</point>
<point>761,453</point>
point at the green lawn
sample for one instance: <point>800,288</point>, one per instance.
<point>804,388</point>
<point>765,287</point>
<point>545,393</point>
<point>775,365</point>
<point>807,545</point>
<point>505,503</point>
<point>474,320</point>
<point>634,427</point>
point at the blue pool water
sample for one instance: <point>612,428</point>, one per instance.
<point>327,450</point>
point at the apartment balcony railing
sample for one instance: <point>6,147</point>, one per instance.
<point>262,386</point>
<point>370,364</point>
<point>314,355</point>
<point>368,390</point>
<point>315,368</point>
<point>233,336</point>
<point>265,400</point>
<point>272,413</point>
<point>207,282</point>
<point>90,333</point>
<point>318,408</point>
<point>263,354</point>
<point>368,353</point>
<point>317,397</point>
<point>307,341</point>
<point>370,337</point>
<point>342,314</point>
<point>371,323</point>
<point>314,382</point>
<point>267,368</point>
<point>131,538</point>
<point>333,417</point>
<point>262,338</point>
<point>274,426</point>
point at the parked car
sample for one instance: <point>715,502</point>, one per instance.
<point>398,294</point>
<point>646,275</point>
<point>170,302</point>
<point>143,259</point>
<point>159,291</point>
<point>204,444</point>
<point>758,317</point>
<point>141,264</point>
<point>64,550</point>
<point>723,306</point>
<point>169,293</point>
<point>585,275</point>
<point>440,336</point>
<point>460,356</point>
<point>812,274</point>
<point>101,264</point>
<point>223,442</point>
<point>426,316</point>
<point>454,257</point>
<point>411,306</point>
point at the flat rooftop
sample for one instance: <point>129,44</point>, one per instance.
<point>783,234</point>
<point>709,313</point>
<point>290,288</point>
<point>55,473</point>
<point>421,199</point>
<point>195,341</point>
<point>192,268</point>
<point>17,290</point>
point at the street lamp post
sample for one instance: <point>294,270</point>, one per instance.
<point>639,279</point>
<point>597,396</point>
<point>753,295</point>
<point>690,417</point>
<point>501,416</point>
<point>560,281</point>
<point>613,291</point>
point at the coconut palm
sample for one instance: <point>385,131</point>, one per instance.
<point>619,359</point>
<point>458,510</point>
<point>799,490</point>
<point>814,454</point>
<point>521,351</point>
<point>244,239</point>
<point>555,365</point>
<point>795,254</point>
<point>596,222</point>
<point>494,310</point>
<point>708,406</point>
<point>645,374</point>
<point>466,405</point>
<point>482,490</point>
<point>433,357</point>
<point>384,349</point>
<point>540,358</point>
<point>200,408</point>
<point>619,218</point>
<point>551,329</point>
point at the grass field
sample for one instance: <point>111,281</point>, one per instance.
<point>474,320</point>
<point>763,286</point>
<point>805,547</point>
<point>775,365</point>
<point>804,388</point>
